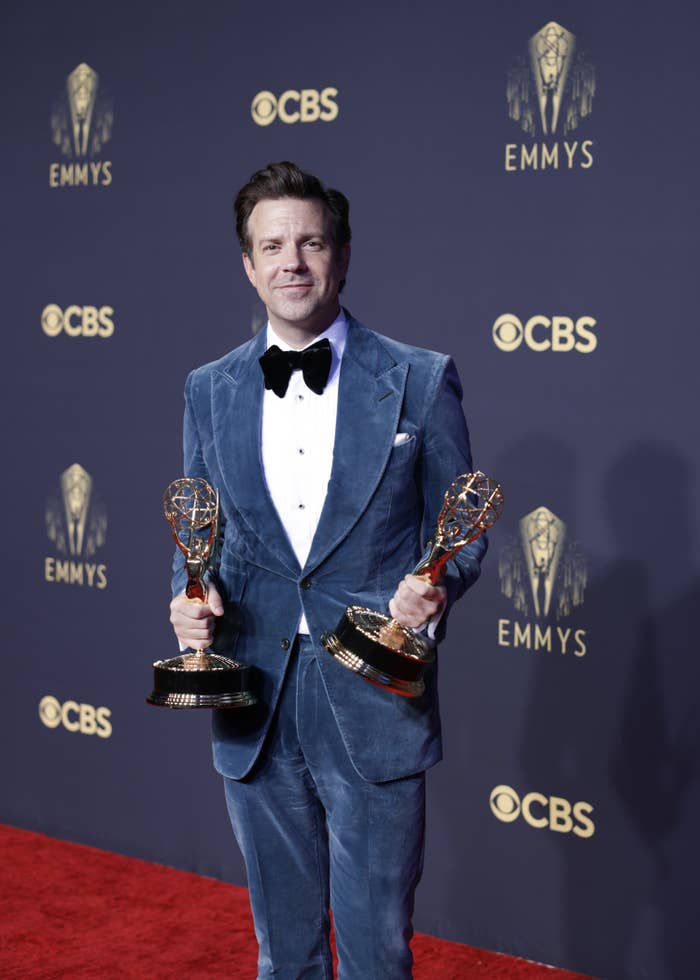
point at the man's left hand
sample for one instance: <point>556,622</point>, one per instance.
<point>416,601</point>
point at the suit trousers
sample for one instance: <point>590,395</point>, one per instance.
<point>315,835</point>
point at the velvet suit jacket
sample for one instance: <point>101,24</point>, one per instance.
<point>381,507</point>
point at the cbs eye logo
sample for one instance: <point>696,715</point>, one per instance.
<point>75,717</point>
<point>77,321</point>
<point>541,811</point>
<point>540,333</point>
<point>307,106</point>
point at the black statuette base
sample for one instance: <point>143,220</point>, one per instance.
<point>380,651</point>
<point>201,680</point>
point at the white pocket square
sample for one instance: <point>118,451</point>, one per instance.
<point>400,438</point>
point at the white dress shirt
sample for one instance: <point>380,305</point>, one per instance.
<point>298,434</point>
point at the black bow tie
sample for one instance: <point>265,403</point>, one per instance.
<point>315,362</point>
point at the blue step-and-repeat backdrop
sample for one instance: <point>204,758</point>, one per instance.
<point>523,181</point>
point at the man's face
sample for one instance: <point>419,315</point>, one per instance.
<point>294,266</point>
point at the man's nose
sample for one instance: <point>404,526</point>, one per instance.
<point>293,258</point>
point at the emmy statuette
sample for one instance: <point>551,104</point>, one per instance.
<point>383,651</point>
<point>197,678</point>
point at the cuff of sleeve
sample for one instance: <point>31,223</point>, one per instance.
<point>429,629</point>
<point>433,624</point>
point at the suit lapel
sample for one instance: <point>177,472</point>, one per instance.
<point>237,395</point>
<point>369,406</point>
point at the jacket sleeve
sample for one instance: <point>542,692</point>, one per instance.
<point>194,466</point>
<point>446,455</point>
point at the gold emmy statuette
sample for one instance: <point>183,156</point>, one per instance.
<point>197,678</point>
<point>377,647</point>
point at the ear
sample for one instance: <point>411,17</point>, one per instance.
<point>249,268</point>
<point>344,260</point>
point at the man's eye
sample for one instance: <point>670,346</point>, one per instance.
<point>270,247</point>
<point>313,243</point>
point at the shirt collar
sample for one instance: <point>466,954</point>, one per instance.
<point>337,335</point>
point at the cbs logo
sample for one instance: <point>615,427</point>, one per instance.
<point>305,106</point>
<point>77,321</point>
<point>540,811</point>
<point>75,717</point>
<point>558,333</point>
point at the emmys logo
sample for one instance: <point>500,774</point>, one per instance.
<point>76,523</point>
<point>78,321</point>
<point>550,90</point>
<point>75,717</point>
<point>307,105</point>
<point>540,333</point>
<point>545,578</point>
<point>538,810</point>
<point>81,123</point>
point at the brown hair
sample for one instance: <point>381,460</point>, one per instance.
<point>285,179</point>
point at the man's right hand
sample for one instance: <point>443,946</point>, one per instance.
<point>193,621</point>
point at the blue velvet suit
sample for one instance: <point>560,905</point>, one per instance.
<point>382,504</point>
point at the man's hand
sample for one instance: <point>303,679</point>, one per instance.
<point>193,621</point>
<point>416,601</point>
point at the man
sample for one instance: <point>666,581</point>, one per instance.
<point>329,487</point>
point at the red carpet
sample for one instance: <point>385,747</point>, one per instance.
<point>68,911</point>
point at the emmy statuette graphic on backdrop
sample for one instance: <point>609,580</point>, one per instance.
<point>197,678</point>
<point>383,651</point>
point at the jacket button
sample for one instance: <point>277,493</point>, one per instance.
<point>305,583</point>
<point>284,643</point>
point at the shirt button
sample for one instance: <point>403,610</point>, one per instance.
<point>301,452</point>
<point>305,583</point>
<point>301,506</point>
<point>284,643</point>
<point>300,398</point>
